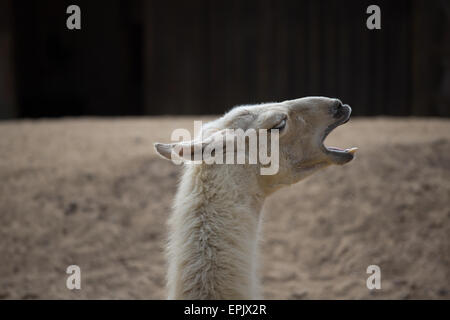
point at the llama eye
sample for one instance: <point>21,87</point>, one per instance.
<point>281,125</point>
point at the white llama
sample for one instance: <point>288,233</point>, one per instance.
<point>213,241</point>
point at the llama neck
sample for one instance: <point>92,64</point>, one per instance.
<point>214,235</point>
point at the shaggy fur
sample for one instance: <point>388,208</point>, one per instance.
<point>214,227</point>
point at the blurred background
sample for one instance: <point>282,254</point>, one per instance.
<point>202,57</point>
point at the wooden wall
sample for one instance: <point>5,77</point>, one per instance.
<point>203,57</point>
<point>221,53</point>
<point>8,105</point>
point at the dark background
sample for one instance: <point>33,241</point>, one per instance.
<point>203,57</point>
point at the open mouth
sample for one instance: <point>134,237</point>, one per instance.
<point>338,155</point>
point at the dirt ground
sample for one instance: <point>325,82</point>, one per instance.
<point>92,192</point>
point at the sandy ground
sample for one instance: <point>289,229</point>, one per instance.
<point>93,193</point>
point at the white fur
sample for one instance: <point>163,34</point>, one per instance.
<point>214,227</point>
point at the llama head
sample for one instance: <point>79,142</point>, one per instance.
<point>298,127</point>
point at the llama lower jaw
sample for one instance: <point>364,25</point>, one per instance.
<point>337,155</point>
<point>340,156</point>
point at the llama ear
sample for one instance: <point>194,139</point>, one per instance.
<point>180,150</point>
<point>185,150</point>
<point>272,120</point>
<point>164,150</point>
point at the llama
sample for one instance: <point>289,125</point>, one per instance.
<point>215,224</point>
